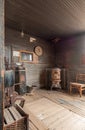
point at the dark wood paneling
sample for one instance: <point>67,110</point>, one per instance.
<point>70,54</point>
<point>34,72</point>
<point>46,18</point>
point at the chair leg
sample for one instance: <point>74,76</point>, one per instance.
<point>80,92</point>
<point>70,89</point>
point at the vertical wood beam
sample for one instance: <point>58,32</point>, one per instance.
<point>2,46</point>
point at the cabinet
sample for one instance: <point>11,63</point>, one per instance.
<point>20,80</point>
<point>20,75</point>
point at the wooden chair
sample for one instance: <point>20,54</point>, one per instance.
<point>79,84</point>
<point>11,96</point>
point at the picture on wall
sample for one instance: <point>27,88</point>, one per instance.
<point>26,56</point>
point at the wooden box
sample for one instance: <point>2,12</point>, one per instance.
<point>15,118</point>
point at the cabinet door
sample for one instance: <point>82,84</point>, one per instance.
<point>20,76</point>
<point>48,81</point>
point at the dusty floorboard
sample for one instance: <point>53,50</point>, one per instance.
<point>56,110</point>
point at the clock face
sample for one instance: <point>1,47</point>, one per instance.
<point>38,50</point>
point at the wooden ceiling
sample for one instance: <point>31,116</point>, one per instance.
<point>46,18</point>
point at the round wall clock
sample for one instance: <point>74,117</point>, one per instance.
<point>38,50</point>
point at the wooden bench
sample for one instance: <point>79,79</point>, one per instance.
<point>79,84</point>
<point>15,118</point>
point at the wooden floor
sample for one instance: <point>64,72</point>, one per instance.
<point>54,110</point>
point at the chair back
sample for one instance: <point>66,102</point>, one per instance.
<point>80,77</point>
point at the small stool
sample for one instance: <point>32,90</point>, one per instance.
<point>78,86</point>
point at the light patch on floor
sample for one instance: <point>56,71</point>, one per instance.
<point>54,116</point>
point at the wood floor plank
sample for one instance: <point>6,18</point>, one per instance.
<point>39,125</point>
<point>58,110</point>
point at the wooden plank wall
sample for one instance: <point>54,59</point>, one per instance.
<point>34,72</point>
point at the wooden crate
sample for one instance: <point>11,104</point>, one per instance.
<point>15,118</point>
